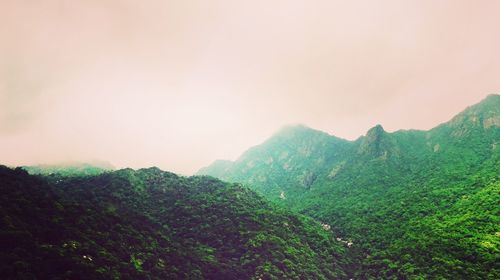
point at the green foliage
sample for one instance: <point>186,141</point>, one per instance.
<point>150,224</point>
<point>69,170</point>
<point>414,204</point>
<point>402,205</point>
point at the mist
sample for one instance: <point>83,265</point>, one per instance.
<point>178,84</point>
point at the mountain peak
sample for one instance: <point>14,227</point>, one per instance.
<point>294,128</point>
<point>297,132</point>
<point>492,98</point>
<point>375,131</point>
<point>377,143</point>
<point>489,106</point>
<point>484,114</point>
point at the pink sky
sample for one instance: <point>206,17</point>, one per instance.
<point>178,84</point>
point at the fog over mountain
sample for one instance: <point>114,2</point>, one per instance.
<point>413,204</point>
<point>410,204</point>
<point>259,140</point>
<point>177,84</point>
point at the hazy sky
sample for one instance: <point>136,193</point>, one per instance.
<point>178,84</point>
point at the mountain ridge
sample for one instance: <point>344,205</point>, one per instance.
<point>378,189</point>
<point>490,105</point>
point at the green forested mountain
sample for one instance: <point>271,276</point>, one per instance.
<point>415,204</point>
<point>70,169</point>
<point>402,205</point>
<point>150,224</point>
<point>293,157</point>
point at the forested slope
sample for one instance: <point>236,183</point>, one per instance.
<point>150,224</point>
<point>415,204</point>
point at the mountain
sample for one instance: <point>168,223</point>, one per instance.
<point>415,204</point>
<point>293,157</point>
<point>151,224</point>
<point>70,168</point>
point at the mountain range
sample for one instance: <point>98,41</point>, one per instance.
<point>415,204</point>
<point>304,204</point>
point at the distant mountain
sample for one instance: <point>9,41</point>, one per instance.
<point>386,191</point>
<point>70,168</point>
<point>151,224</point>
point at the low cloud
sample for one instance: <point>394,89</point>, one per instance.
<point>180,84</point>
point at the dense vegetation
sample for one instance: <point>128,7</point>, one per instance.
<point>415,204</point>
<point>70,169</point>
<point>150,224</point>
<point>403,205</point>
